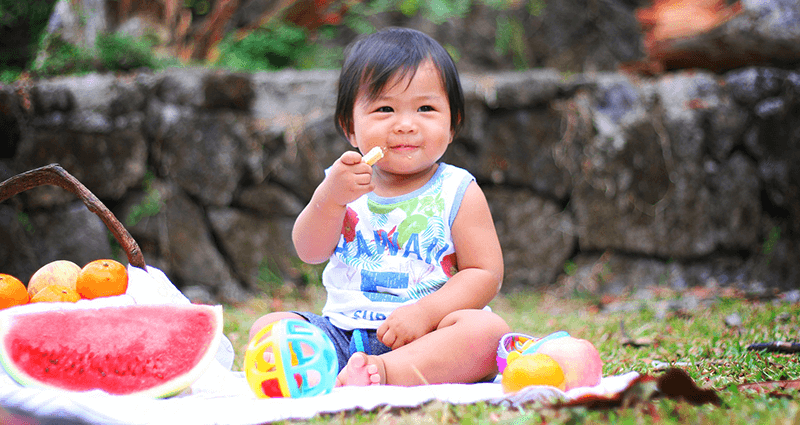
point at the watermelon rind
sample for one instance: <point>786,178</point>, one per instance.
<point>169,388</point>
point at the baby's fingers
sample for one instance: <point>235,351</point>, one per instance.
<point>350,158</point>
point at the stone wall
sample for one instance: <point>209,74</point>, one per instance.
<point>596,181</point>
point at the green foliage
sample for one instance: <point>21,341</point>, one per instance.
<point>114,52</point>
<point>8,76</point>
<point>510,36</point>
<point>269,280</point>
<point>25,221</point>
<point>770,241</point>
<point>149,206</point>
<point>278,45</point>
<point>510,39</point>
<point>122,52</point>
<point>274,47</point>
<point>58,56</point>
<point>199,7</point>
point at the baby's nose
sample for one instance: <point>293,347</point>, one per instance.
<point>405,124</point>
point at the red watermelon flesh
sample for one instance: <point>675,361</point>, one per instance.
<point>152,350</point>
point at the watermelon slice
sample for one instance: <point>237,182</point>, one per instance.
<point>149,350</point>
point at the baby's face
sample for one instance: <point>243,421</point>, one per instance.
<point>411,120</point>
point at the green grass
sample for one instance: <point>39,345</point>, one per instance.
<point>714,354</point>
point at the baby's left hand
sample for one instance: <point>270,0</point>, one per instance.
<point>404,325</point>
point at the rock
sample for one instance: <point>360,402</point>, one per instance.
<point>46,98</point>
<point>180,236</point>
<point>521,153</point>
<point>181,87</point>
<point>258,246</point>
<point>203,152</point>
<point>17,256</point>
<point>90,157</point>
<point>269,200</point>
<point>536,236</point>
<point>11,121</point>
<point>68,232</point>
<point>228,91</point>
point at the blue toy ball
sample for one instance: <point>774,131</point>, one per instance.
<point>291,358</point>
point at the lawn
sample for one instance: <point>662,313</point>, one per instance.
<point>704,331</point>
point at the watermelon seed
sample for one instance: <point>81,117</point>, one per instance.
<point>160,376</point>
<point>47,370</point>
<point>54,361</point>
<point>80,370</point>
<point>102,373</point>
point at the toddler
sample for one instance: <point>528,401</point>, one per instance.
<point>413,256</point>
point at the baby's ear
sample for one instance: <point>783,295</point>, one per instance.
<point>352,139</point>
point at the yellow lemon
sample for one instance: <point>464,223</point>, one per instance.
<point>532,369</point>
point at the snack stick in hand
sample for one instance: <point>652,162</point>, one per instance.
<point>373,156</point>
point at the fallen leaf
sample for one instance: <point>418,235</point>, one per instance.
<point>678,385</point>
<point>675,384</point>
<point>765,386</point>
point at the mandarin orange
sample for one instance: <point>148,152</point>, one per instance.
<point>531,369</point>
<point>56,293</point>
<point>12,291</point>
<point>102,278</point>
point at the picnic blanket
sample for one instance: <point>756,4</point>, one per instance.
<point>222,396</point>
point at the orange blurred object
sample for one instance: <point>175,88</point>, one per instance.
<point>12,291</point>
<point>531,369</point>
<point>102,278</point>
<point>56,293</point>
<point>666,22</point>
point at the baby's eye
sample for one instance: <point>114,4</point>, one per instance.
<point>384,109</point>
<point>426,108</point>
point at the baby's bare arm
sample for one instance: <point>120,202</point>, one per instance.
<point>318,227</point>
<point>478,280</point>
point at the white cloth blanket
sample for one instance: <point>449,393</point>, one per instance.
<point>222,396</point>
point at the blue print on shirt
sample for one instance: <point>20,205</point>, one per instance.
<point>384,286</point>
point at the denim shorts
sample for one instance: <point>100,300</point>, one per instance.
<point>347,342</point>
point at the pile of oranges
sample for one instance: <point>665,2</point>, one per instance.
<point>65,281</point>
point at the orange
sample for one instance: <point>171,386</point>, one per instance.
<point>59,272</point>
<point>531,369</point>
<point>56,293</point>
<point>12,291</point>
<point>102,278</point>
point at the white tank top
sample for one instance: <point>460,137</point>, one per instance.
<point>393,251</point>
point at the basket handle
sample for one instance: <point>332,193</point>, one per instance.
<point>55,175</point>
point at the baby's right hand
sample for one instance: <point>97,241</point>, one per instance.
<point>348,179</point>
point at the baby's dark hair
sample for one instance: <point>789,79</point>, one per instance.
<point>374,60</point>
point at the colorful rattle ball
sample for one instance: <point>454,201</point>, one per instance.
<point>290,358</point>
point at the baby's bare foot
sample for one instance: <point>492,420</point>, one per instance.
<point>362,370</point>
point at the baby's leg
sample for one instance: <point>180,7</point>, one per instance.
<point>461,349</point>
